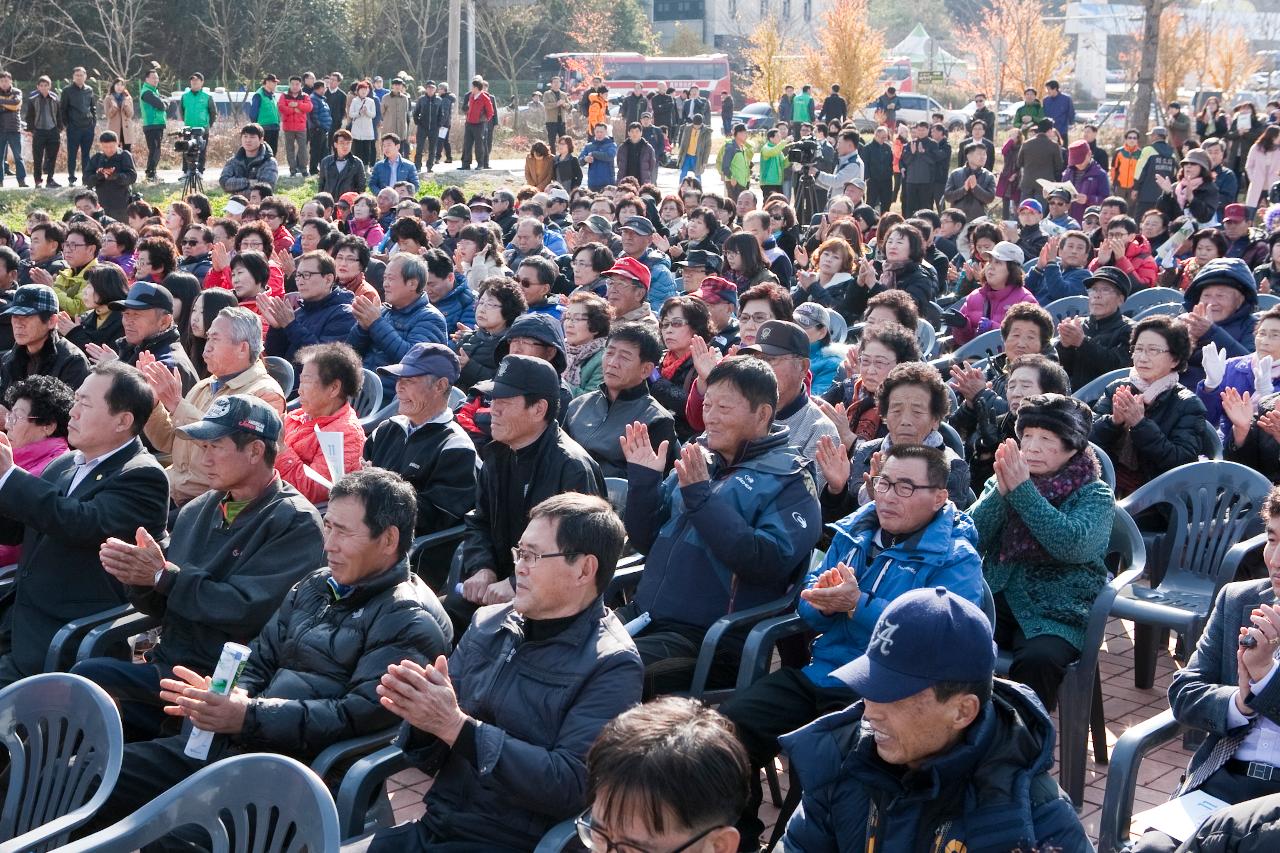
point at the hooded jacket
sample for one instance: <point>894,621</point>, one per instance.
<point>1233,334</point>
<point>991,793</point>
<point>537,705</point>
<point>985,309</point>
<point>735,541</point>
<point>602,154</point>
<point>242,170</point>
<point>943,553</point>
<point>1137,262</point>
<point>322,321</point>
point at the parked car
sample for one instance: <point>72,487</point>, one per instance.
<point>756,116</point>
<point>912,108</point>
<point>1004,112</point>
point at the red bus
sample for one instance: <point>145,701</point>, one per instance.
<point>622,71</point>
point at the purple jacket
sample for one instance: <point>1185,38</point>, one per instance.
<point>1091,183</point>
<point>1238,375</point>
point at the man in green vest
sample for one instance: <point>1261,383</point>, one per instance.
<point>154,108</point>
<point>802,106</point>
<point>263,111</point>
<point>198,109</point>
<point>735,162</point>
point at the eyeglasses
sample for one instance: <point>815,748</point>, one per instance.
<point>595,839</point>
<point>1148,352</point>
<point>756,318</point>
<point>191,242</point>
<point>673,323</point>
<point>12,417</point>
<point>775,217</point>
<point>877,363</point>
<point>70,245</point>
<point>902,488</point>
<point>531,558</point>
<point>528,282</point>
<point>247,246</point>
<point>307,276</point>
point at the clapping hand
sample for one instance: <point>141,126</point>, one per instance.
<point>1197,322</point>
<point>1128,408</point>
<point>874,464</point>
<point>276,311</point>
<point>165,382</point>
<point>833,462</point>
<point>968,381</point>
<point>834,591</point>
<point>424,697</point>
<point>66,323</point>
<point>1270,424</point>
<point>705,358</point>
<point>133,563</point>
<point>284,259</point>
<point>839,416</point>
<point>1010,468</point>
<point>638,450</point>
<point>366,311</point>
<point>219,257</point>
<point>1214,361</point>
<point>691,467</point>
<point>1071,332</point>
<point>100,353</point>
<point>1262,383</point>
<point>1048,252</point>
<point>1239,411</point>
<point>40,275</point>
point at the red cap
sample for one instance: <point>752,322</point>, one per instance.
<point>632,269</point>
<point>349,197</point>
<point>1234,213</point>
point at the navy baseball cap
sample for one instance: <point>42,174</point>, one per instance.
<point>924,637</point>
<point>426,360</point>
<point>638,224</point>
<point>33,299</point>
<point>143,295</point>
<point>236,413</point>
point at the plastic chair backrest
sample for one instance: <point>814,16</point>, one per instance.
<point>456,397</point>
<point>983,346</point>
<point>1067,306</point>
<point>1210,441</point>
<point>1092,391</point>
<point>1108,468</point>
<point>617,487</point>
<point>988,604</point>
<point>281,371</point>
<point>369,398</point>
<point>65,744</point>
<point>1144,299</point>
<point>952,439</point>
<point>927,336</point>
<point>260,802</point>
<point>1210,507</point>
<point>1167,309</point>
<point>1267,300</point>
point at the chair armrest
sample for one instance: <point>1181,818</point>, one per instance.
<point>1231,562</point>
<point>1122,776</point>
<point>361,745</point>
<point>440,537</point>
<point>359,783</point>
<point>760,644</point>
<point>97,640</point>
<point>558,837</point>
<point>73,629</point>
<point>722,626</point>
<point>625,578</point>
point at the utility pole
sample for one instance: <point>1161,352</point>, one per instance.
<point>455,46</point>
<point>471,40</point>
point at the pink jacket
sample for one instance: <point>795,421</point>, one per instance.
<point>1263,169</point>
<point>985,308</point>
<point>32,458</point>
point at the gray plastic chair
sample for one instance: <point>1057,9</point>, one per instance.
<point>1210,441</point>
<point>369,398</point>
<point>456,397</point>
<point>1210,506</point>
<point>1068,306</point>
<point>375,420</point>
<point>1144,299</point>
<point>223,799</point>
<point>1166,309</point>
<point>1122,777</point>
<point>617,487</point>
<point>983,346</point>
<point>927,337</point>
<point>1092,391</point>
<point>281,371</point>
<point>1267,300</point>
<point>1105,463</point>
<point>65,745</point>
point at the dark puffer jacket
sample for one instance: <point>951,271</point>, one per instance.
<point>538,705</point>
<point>1170,434</point>
<point>167,348</point>
<point>315,667</point>
<point>991,793</point>
<point>319,322</point>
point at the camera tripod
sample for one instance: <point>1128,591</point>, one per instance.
<point>192,179</point>
<point>806,196</point>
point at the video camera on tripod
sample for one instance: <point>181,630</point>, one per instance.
<point>802,152</point>
<point>190,142</point>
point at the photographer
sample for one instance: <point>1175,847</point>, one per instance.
<point>111,172</point>
<point>255,162</point>
<point>848,164</point>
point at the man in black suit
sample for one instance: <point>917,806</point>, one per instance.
<point>110,486</point>
<point>1231,691</point>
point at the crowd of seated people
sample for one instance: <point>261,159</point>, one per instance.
<point>618,427</point>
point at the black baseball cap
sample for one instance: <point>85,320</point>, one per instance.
<point>779,337</point>
<point>638,224</point>
<point>236,413</point>
<point>1113,276</point>
<point>523,374</point>
<point>143,295</point>
<point>702,258</point>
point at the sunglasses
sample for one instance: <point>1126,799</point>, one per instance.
<point>191,242</point>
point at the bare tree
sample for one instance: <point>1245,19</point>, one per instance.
<point>21,33</point>
<point>512,37</point>
<point>111,32</point>
<point>412,29</point>
<point>1149,51</point>
<point>218,23</point>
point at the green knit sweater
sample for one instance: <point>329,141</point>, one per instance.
<point>1049,598</point>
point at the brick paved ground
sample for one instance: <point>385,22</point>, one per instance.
<point>1125,706</point>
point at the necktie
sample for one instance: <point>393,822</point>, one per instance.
<point>1218,756</point>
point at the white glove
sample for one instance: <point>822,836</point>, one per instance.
<point>1214,361</point>
<point>1262,376</point>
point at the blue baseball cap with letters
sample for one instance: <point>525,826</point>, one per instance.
<point>426,359</point>
<point>924,637</point>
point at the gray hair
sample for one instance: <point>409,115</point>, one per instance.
<point>411,267</point>
<point>390,193</point>
<point>245,327</point>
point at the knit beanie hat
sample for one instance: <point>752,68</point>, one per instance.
<point>1066,417</point>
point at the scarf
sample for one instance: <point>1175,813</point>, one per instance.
<point>864,414</point>
<point>671,363</point>
<point>1017,543</point>
<point>1151,391</point>
<point>578,355</point>
<point>889,273</point>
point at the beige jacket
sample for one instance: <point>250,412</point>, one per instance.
<point>120,118</point>
<point>186,480</point>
